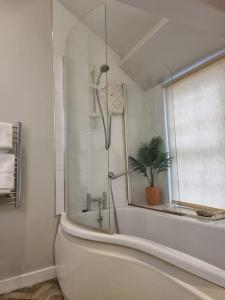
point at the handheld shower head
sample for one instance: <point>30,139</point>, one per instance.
<point>103,69</point>
<point>106,125</point>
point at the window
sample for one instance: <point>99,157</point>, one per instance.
<point>196,131</point>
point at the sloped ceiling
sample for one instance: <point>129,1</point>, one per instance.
<point>153,36</point>
<point>205,15</point>
<point>80,7</point>
<point>216,4</point>
<point>170,50</point>
<point>126,25</point>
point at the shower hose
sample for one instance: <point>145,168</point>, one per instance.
<point>114,207</point>
<point>107,133</point>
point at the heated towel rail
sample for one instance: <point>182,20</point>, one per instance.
<point>14,197</point>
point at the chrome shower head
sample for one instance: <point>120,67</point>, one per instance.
<point>103,69</point>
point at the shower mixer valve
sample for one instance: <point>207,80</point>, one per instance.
<point>102,201</point>
<point>102,204</point>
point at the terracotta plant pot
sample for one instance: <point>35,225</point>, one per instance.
<point>152,195</point>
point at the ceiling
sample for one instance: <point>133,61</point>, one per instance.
<point>152,34</point>
<point>126,25</point>
<point>172,49</point>
<point>205,15</point>
<point>217,4</point>
<point>81,7</point>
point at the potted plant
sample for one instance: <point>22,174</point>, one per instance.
<point>150,161</point>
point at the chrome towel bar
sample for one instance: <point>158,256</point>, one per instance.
<point>14,197</point>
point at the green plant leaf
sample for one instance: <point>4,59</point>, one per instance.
<point>150,156</point>
<point>137,166</point>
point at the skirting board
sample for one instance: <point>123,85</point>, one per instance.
<point>26,280</point>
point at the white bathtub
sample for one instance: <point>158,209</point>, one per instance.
<point>155,256</point>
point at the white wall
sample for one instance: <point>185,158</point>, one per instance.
<point>26,95</point>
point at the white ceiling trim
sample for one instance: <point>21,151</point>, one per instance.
<point>145,39</point>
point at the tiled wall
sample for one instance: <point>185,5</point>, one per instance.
<point>145,121</point>
<point>59,132</point>
<point>63,21</point>
<point>88,159</point>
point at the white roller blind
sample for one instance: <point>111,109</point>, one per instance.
<point>196,117</point>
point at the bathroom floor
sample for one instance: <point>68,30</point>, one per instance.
<point>48,290</point>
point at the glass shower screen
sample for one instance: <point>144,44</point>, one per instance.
<point>87,122</point>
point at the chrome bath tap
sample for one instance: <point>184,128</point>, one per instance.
<point>102,204</point>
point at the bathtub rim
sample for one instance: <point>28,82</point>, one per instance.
<point>179,259</point>
<point>195,290</point>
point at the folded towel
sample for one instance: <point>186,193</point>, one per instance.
<point>7,167</point>
<point>6,135</point>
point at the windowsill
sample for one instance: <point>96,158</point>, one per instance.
<point>185,210</point>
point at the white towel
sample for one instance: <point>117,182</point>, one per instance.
<point>6,135</point>
<point>7,167</point>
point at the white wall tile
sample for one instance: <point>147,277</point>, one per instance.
<point>72,139</point>
<point>73,179</point>
<point>117,161</point>
<point>97,141</point>
<point>88,159</point>
<point>99,160</point>
<point>83,180</point>
<point>59,118</point>
<point>58,75</point>
<point>117,141</point>
<point>77,119</point>
<point>59,202</point>
<point>120,182</point>
<point>120,196</point>
<point>59,138</point>
<point>59,160</point>
<point>59,99</point>
<point>60,181</point>
<point>97,179</point>
<point>58,62</point>
<point>117,124</point>
<point>82,140</point>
